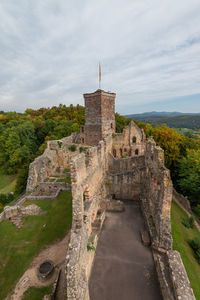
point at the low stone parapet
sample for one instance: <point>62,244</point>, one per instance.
<point>172,276</point>
<point>180,281</point>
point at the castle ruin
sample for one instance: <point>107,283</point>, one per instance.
<point>106,169</point>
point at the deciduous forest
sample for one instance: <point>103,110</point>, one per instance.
<point>23,137</point>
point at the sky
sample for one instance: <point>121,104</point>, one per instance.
<point>149,52</point>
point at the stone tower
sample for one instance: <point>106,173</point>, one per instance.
<point>99,116</point>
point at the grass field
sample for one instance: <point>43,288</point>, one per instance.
<point>181,237</point>
<point>20,246</point>
<point>34,293</point>
<point>7,183</point>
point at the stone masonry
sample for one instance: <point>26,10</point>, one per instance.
<point>112,167</point>
<point>99,115</point>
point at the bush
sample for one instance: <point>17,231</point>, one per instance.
<point>196,210</point>
<point>21,180</point>
<point>59,144</point>
<point>72,148</point>
<point>81,149</point>
<point>195,244</point>
<point>5,199</point>
<point>189,222</point>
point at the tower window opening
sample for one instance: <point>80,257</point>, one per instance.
<point>134,139</point>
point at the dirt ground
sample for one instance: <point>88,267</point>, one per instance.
<point>56,253</point>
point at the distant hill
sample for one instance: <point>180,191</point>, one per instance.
<point>171,119</point>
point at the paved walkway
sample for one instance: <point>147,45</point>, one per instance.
<point>123,268</point>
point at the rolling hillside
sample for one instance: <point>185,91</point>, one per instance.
<point>171,119</point>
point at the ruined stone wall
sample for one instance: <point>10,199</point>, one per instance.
<point>87,177</point>
<point>156,196</point>
<point>131,142</point>
<point>56,156</point>
<point>124,177</point>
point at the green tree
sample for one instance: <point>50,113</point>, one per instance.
<point>189,174</point>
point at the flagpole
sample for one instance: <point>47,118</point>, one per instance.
<point>99,75</point>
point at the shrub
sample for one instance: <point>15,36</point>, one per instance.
<point>81,149</point>
<point>59,144</point>
<point>72,148</point>
<point>195,244</point>
<point>189,222</point>
<point>21,180</point>
<point>6,198</point>
<point>197,253</point>
<point>196,210</point>
<point>90,245</point>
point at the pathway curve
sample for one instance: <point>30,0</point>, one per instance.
<point>123,268</point>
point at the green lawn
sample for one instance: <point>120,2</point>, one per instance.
<point>34,293</point>
<point>19,246</point>
<point>181,237</point>
<point>7,183</point>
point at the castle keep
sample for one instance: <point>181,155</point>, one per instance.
<point>99,117</point>
<point>112,168</point>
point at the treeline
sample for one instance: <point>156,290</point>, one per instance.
<point>185,121</point>
<point>182,157</point>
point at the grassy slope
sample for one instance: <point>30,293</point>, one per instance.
<point>181,237</point>
<point>7,183</point>
<point>18,247</point>
<point>34,293</point>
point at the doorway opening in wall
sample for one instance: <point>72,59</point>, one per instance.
<point>113,196</point>
<point>121,152</point>
<point>136,152</point>
<point>114,153</point>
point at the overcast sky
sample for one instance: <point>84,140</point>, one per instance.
<point>149,51</point>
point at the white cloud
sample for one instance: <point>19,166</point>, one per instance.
<point>49,50</point>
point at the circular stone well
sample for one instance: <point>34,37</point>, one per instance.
<point>45,269</point>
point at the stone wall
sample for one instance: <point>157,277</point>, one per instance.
<point>124,178</point>
<point>99,116</point>
<point>172,276</point>
<point>145,178</point>
<point>87,177</point>
<point>182,201</point>
<point>156,196</point>
<point>131,142</point>
<point>57,156</point>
